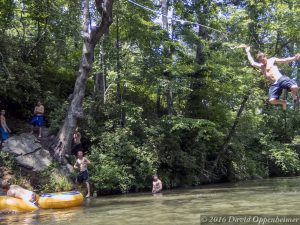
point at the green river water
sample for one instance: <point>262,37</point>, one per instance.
<point>271,197</point>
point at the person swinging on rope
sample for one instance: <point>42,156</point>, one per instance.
<point>269,68</point>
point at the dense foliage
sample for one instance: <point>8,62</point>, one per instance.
<point>167,99</point>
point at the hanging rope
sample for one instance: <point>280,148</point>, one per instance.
<point>177,20</point>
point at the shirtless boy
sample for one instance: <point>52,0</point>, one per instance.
<point>83,176</point>
<point>77,141</point>
<point>269,68</point>
<point>38,118</point>
<point>4,128</point>
<point>156,185</point>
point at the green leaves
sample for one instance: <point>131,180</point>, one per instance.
<point>120,163</point>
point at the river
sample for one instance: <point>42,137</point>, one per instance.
<point>277,196</point>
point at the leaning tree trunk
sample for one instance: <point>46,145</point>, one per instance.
<point>91,36</point>
<point>232,130</point>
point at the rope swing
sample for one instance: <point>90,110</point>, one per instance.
<point>177,20</point>
<point>231,45</point>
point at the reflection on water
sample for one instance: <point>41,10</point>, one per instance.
<point>40,217</point>
<point>280,196</point>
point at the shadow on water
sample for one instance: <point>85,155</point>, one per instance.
<point>278,196</point>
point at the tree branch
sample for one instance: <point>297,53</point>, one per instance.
<point>104,7</point>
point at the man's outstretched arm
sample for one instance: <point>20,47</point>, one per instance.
<point>250,58</point>
<point>288,60</point>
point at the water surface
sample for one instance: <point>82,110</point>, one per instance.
<point>280,196</point>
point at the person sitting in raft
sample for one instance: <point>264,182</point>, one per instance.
<point>38,118</point>
<point>83,176</point>
<point>18,192</point>
<point>156,185</point>
<point>4,128</point>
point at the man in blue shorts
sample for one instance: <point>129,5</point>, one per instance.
<point>269,67</point>
<point>38,118</point>
<point>3,128</point>
<point>83,176</point>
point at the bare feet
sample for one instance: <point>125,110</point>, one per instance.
<point>87,196</point>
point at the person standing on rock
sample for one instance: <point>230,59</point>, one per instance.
<point>38,118</point>
<point>4,128</point>
<point>77,142</point>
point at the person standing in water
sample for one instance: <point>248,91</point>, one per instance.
<point>83,176</point>
<point>156,185</point>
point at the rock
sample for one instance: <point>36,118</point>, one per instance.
<point>37,161</point>
<point>29,152</point>
<point>46,132</point>
<point>22,144</point>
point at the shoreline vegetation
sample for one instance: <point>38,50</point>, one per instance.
<point>52,180</point>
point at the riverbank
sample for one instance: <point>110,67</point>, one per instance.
<point>28,161</point>
<point>120,165</point>
<point>268,197</point>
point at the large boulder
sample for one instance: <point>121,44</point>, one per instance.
<point>29,152</point>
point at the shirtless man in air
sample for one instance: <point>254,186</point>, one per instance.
<point>18,192</point>
<point>4,128</point>
<point>269,67</point>
<point>83,176</point>
<point>38,118</point>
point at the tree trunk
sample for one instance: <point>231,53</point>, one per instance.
<point>119,88</point>
<point>196,103</point>
<point>202,31</point>
<point>99,87</point>
<point>165,25</point>
<point>232,130</point>
<point>164,11</point>
<point>169,95</point>
<point>158,102</point>
<point>200,57</point>
<point>100,78</point>
<point>91,36</point>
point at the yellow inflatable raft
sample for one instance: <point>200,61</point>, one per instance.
<point>60,200</point>
<point>16,205</point>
